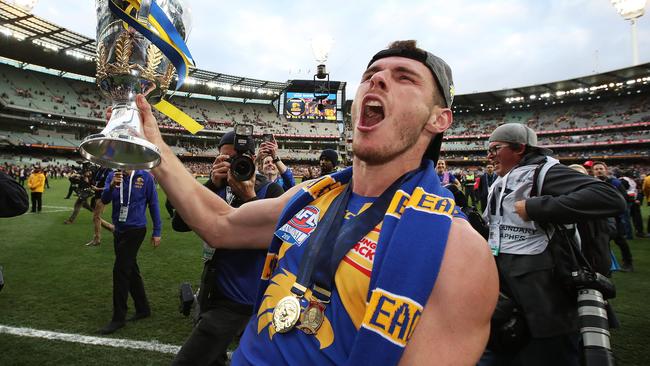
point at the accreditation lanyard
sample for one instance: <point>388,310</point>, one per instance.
<point>494,238</point>
<point>124,209</point>
<point>128,198</point>
<point>318,265</point>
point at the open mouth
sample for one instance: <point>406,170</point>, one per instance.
<point>372,113</point>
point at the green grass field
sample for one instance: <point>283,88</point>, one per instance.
<point>55,283</point>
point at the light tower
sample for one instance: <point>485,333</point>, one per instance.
<point>321,46</point>
<point>631,10</point>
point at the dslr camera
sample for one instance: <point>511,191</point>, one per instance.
<point>242,166</point>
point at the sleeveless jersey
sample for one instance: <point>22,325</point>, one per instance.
<point>343,316</point>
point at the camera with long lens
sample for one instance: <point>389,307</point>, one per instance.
<point>242,166</point>
<point>593,291</point>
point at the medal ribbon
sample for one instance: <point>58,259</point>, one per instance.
<point>341,238</point>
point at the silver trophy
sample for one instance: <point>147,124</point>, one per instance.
<point>129,64</point>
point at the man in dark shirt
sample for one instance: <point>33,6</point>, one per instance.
<point>130,192</point>
<point>230,277</point>
<point>600,171</point>
<point>484,183</point>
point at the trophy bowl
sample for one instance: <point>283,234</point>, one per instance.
<point>129,64</point>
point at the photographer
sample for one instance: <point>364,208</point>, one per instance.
<point>230,277</point>
<point>74,178</point>
<point>525,245</point>
<point>83,191</point>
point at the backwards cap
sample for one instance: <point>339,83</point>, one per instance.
<point>442,76</point>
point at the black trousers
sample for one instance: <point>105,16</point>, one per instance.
<point>562,350</point>
<point>623,245</point>
<point>211,336</point>
<point>126,273</point>
<point>221,320</point>
<point>71,190</point>
<point>37,201</point>
<point>635,215</point>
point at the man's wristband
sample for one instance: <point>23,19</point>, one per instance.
<point>252,199</point>
<point>276,160</point>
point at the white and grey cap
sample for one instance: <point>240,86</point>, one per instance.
<point>438,67</point>
<point>517,133</point>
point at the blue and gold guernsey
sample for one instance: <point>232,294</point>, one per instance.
<point>343,316</point>
<point>380,285</point>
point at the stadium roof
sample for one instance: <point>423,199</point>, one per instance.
<point>611,80</point>
<point>33,40</point>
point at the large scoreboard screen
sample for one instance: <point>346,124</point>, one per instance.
<point>312,101</point>
<point>303,106</point>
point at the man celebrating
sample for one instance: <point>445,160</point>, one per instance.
<point>523,242</point>
<point>369,258</point>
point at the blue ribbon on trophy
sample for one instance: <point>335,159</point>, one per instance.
<point>161,32</point>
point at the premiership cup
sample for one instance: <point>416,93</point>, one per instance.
<point>129,64</point>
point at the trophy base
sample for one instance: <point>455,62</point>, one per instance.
<point>120,152</point>
<point>121,144</point>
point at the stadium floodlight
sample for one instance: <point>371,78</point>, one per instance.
<point>321,45</point>
<point>27,5</point>
<point>631,10</point>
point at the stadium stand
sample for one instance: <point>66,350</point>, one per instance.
<point>51,107</point>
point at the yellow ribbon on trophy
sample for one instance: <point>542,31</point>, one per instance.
<point>166,38</point>
<point>179,116</point>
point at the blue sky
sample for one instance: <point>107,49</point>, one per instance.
<point>490,45</point>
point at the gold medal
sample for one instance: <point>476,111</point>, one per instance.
<point>312,318</point>
<point>286,314</point>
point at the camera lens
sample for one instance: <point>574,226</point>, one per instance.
<point>242,168</point>
<point>594,328</point>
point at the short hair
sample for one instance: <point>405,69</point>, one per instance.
<point>411,45</point>
<point>579,168</point>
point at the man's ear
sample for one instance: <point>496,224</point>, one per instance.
<point>440,120</point>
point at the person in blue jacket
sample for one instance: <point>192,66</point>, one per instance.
<point>130,192</point>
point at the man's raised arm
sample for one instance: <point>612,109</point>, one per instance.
<point>250,226</point>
